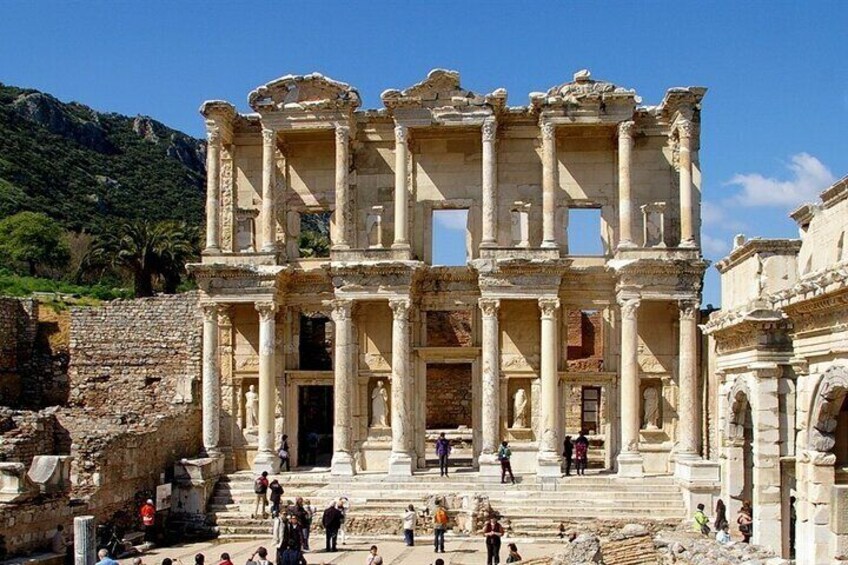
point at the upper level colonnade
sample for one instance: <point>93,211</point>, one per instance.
<point>518,170</point>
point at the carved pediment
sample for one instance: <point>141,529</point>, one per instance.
<point>583,88</point>
<point>440,89</point>
<point>301,92</point>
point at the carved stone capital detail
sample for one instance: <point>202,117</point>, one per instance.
<point>629,307</point>
<point>548,131</point>
<point>210,312</point>
<point>685,129</point>
<point>400,308</point>
<point>401,134</point>
<point>213,133</point>
<point>489,307</point>
<point>625,129</point>
<point>342,133</point>
<point>342,309</point>
<point>689,309</point>
<point>490,129</point>
<point>269,136</point>
<point>548,307</point>
<point>266,309</point>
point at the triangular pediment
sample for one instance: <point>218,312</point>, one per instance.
<point>293,92</point>
<point>582,88</point>
<point>441,89</point>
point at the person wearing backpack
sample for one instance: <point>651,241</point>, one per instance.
<point>276,497</point>
<point>504,453</point>
<point>440,524</point>
<point>260,487</point>
<point>284,454</point>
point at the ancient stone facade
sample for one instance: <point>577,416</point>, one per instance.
<point>781,363</point>
<point>520,172</point>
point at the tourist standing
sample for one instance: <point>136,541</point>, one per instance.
<point>493,532</point>
<point>260,488</point>
<point>373,558</point>
<point>567,453</point>
<point>581,453</point>
<point>284,454</point>
<point>344,508</point>
<point>309,512</point>
<point>148,520</point>
<point>409,518</point>
<point>332,521</point>
<point>745,520</point>
<point>440,524</point>
<point>276,497</point>
<point>514,556</point>
<point>504,455</point>
<point>720,515</point>
<point>443,449</point>
<point>701,521</point>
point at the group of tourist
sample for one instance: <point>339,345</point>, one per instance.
<point>576,452</point>
<point>744,522</point>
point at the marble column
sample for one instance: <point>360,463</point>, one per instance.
<point>340,240</point>
<point>491,377</point>
<point>549,184</point>
<point>549,462</point>
<point>687,224</point>
<point>629,458</point>
<point>266,455</point>
<point>400,460</point>
<point>490,175</point>
<point>625,204</point>
<point>401,188</point>
<point>85,541</point>
<point>688,428</point>
<point>211,381</point>
<point>344,371</point>
<point>269,170</point>
<point>213,176</point>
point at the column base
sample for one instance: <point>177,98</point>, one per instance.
<point>630,465</point>
<point>215,250</point>
<point>549,245</point>
<point>549,465</point>
<point>488,243</point>
<point>400,465</point>
<point>339,247</point>
<point>266,461</point>
<point>400,245</point>
<point>626,244</point>
<point>490,467</point>
<point>342,464</point>
<point>688,244</point>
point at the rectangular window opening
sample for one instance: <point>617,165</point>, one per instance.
<point>584,232</point>
<point>450,233</point>
<point>314,234</point>
<point>316,342</point>
<point>590,409</point>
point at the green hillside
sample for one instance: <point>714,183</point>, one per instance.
<point>89,170</point>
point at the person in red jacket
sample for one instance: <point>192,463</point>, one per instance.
<point>148,519</point>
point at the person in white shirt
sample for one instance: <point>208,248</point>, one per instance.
<point>409,518</point>
<point>723,536</point>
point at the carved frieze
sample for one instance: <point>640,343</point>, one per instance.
<point>827,404</point>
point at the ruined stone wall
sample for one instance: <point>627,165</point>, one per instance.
<point>585,341</point>
<point>448,395</point>
<point>25,434</point>
<point>17,334</point>
<point>449,328</point>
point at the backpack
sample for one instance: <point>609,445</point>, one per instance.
<point>259,486</point>
<point>440,517</point>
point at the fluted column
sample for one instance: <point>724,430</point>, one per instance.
<point>549,184</point>
<point>490,174</point>
<point>269,170</point>
<point>629,458</point>
<point>688,428</point>
<point>340,240</point>
<point>625,203</point>
<point>213,182</point>
<point>211,381</point>
<point>549,460</point>
<point>400,460</point>
<point>491,376</point>
<point>85,542</point>
<point>401,187</point>
<point>344,371</point>
<point>266,456</point>
<point>687,225</point>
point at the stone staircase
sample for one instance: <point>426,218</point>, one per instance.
<point>595,502</point>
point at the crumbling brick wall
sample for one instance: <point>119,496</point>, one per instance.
<point>585,341</point>
<point>25,434</point>
<point>449,328</point>
<point>17,334</point>
<point>448,395</point>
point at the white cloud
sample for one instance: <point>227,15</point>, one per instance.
<point>718,216</point>
<point>809,177</point>
<point>455,220</point>
<point>713,246</point>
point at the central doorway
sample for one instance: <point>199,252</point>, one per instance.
<point>449,409</point>
<point>315,425</point>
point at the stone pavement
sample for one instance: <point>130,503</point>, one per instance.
<point>458,551</point>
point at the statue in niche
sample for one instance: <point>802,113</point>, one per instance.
<point>251,408</point>
<point>519,409</point>
<point>380,406</point>
<point>651,409</point>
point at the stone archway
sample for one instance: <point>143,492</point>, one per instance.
<point>739,480</point>
<point>827,403</point>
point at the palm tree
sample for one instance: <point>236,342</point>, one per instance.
<point>178,243</point>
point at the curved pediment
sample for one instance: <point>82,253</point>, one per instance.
<point>441,89</point>
<point>300,92</point>
<point>583,88</point>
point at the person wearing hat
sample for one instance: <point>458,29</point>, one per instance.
<point>148,520</point>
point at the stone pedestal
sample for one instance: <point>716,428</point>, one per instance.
<point>699,479</point>
<point>15,485</point>
<point>85,541</point>
<point>194,483</point>
<point>51,473</point>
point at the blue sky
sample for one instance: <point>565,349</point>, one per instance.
<point>774,119</point>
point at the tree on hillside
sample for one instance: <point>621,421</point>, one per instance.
<point>32,239</point>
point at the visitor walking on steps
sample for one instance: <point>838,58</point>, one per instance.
<point>276,497</point>
<point>745,521</point>
<point>443,449</point>
<point>332,521</point>
<point>567,454</point>
<point>260,488</point>
<point>409,519</point>
<point>581,453</point>
<point>702,523</point>
<point>284,454</point>
<point>440,524</point>
<point>493,531</point>
<point>504,454</point>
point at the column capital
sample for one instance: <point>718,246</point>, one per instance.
<point>689,309</point>
<point>625,129</point>
<point>267,309</point>
<point>342,133</point>
<point>211,310</point>
<point>401,133</point>
<point>490,129</point>
<point>548,130</point>
<point>629,307</point>
<point>342,308</point>
<point>489,306</point>
<point>685,128</point>
<point>213,133</point>
<point>548,306</point>
<point>269,136</point>
<point>400,308</point>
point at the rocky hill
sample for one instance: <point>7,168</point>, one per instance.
<point>86,168</point>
